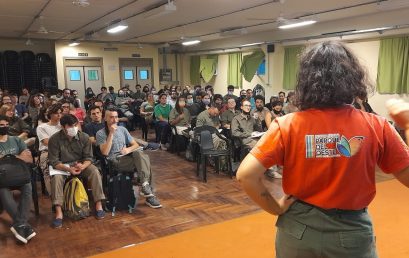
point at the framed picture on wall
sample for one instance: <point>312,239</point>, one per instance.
<point>165,75</point>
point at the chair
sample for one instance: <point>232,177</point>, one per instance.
<point>178,142</point>
<point>203,136</point>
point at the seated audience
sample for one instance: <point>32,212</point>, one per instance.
<point>230,94</point>
<point>44,133</point>
<point>162,111</point>
<point>13,145</point>
<point>261,114</point>
<point>146,111</point>
<point>243,125</point>
<point>17,127</point>
<point>289,106</point>
<point>277,109</point>
<point>71,151</point>
<point>24,97</point>
<point>180,116</point>
<point>21,110</point>
<point>227,116</point>
<point>34,107</point>
<point>114,140</point>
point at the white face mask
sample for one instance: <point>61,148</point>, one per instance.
<point>72,131</point>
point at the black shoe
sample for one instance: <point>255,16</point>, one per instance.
<point>19,233</point>
<point>29,232</point>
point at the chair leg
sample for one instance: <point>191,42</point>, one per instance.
<point>217,164</point>
<point>230,167</point>
<point>204,168</point>
<point>198,159</point>
<point>34,191</point>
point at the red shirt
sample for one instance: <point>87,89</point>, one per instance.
<point>329,155</point>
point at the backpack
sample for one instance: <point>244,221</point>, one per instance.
<point>121,195</point>
<point>76,205</point>
<point>13,172</point>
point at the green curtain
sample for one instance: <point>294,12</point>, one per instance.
<point>195,70</point>
<point>291,66</point>
<point>208,66</point>
<point>234,76</point>
<point>250,64</point>
<point>393,65</point>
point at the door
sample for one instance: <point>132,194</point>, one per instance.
<point>76,80</point>
<point>128,76</point>
<point>79,78</point>
<point>144,75</point>
<point>93,79</point>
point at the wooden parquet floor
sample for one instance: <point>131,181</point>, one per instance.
<point>187,203</point>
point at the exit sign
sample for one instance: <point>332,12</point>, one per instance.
<point>82,54</point>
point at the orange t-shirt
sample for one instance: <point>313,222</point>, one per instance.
<point>329,155</point>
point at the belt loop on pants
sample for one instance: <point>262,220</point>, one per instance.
<point>335,211</point>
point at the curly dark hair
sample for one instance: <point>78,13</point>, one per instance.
<point>330,76</point>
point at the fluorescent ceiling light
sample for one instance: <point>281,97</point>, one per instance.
<point>170,7</point>
<point>372,30</point>
<point>73,43</point>
<point>190,42</point>
<point>296,24</point>
<point>252,44</point>
<point>117,27</point>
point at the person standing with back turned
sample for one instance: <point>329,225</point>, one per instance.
<point>329,151</point>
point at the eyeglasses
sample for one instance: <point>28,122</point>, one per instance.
<point>246,105</point>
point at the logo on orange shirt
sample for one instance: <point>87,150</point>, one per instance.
<point>332,145</point>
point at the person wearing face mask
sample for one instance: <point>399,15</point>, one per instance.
<point>277,110</point>
<point>261,114</point>
<point>205,102</point>
<point>230,94</point>
<point>194,108</point>
<point>70,150</point>
<point>162,111</point>
<point>20,212</point>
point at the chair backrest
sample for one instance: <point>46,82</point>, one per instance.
<point>206,141</point>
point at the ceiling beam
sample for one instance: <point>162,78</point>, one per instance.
<point>35,18</point>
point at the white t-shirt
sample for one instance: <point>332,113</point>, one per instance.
<point>45,131</point>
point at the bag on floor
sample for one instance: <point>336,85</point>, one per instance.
<point>13,172</point>
<point>121,195</point>
<point>76,205</point>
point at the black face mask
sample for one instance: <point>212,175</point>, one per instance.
<point>246,113</point>
<point>276,112</point>
<point>4,130</point>
<point>260,108</point>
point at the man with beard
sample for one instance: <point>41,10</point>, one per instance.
<point>261,114</point>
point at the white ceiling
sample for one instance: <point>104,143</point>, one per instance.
<point>203,19</point>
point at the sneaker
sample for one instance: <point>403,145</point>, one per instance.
<point>29,232</point>
<point>153,202</point>
<point>100,214</point>
<point>163,147</point>
<point>152,146</point>
<point>57,223</point>
<point>19,233</point>
<point>146,191</point>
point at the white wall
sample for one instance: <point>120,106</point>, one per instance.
<point>110,59</point>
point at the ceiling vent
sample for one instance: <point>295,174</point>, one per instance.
<point>236,31</point>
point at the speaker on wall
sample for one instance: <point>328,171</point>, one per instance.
<point>270,48</point>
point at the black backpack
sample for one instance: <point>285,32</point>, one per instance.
<point>121,195</point>
<point>13,172</point>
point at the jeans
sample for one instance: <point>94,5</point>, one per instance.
<point>162,131</point>
<point>19,213</point>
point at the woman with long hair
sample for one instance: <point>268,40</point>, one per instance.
<point>34,107</point>
<point>329,151</point>
<point>146,112</point>
<point>17,126</point>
